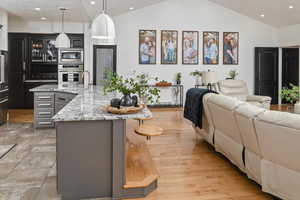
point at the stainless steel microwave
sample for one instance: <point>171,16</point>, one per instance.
<point>70,56</point>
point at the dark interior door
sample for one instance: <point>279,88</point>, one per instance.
<point>17,64</point>
<point>105,58</point>
<point>290,66</point>
<point>266,72</point>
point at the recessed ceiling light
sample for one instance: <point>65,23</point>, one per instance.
<point>43,18</point>
<point>93,2</point>
<point>37,9</point>
<point>262,15</point>
<point>131,8</point>
<point>291,7</point>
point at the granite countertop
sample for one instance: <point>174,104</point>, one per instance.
<point>88,105</point>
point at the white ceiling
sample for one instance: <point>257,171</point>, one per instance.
<point>78,10</point>
<point>277,12</point>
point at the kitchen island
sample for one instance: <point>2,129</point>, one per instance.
<point>92,147</point>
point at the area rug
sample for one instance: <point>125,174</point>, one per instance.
<point>4,149</point>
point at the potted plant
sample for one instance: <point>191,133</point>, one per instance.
<point>233,74</point>
<point>197,74</point>
<point>134,85</point>
<point>291,95</point>
<point>178,78</point>
<point>146,93</point>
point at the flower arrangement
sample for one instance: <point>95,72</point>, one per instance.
<point>138,84</point>
<point>197,74</point>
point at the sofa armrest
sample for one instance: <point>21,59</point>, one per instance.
<point>261,99</point>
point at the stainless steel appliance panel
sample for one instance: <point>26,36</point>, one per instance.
<point>70,56</point>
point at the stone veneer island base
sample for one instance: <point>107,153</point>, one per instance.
<point>96,158</point>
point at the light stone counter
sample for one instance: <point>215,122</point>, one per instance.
<point>88,105</point>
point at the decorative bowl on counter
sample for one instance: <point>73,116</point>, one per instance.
<point>124,110</point>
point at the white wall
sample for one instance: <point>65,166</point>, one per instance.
<point>3,31</point>
<point>289,36</point>
<point>198,15</point>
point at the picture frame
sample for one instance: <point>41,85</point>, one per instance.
<point>147,47</point>
<point>190,47</point>
<point>211,48</point>
<point>169,47</point>
<point>231,48</point>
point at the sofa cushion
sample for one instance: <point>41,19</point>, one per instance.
<point>245,115</point>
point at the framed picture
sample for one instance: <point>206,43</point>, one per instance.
<point>169,47</point>
<point>230,48</point>
<point>147,47</point>
<point>190,47</point>
<point>210,48</point>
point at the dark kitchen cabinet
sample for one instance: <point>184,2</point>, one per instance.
<point>43,48</point>
<point>77,40</point>
<point>32,61</point>
<point>18,60</point>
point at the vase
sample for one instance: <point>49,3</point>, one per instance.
<point>178,82</point>
<point>126,100</point>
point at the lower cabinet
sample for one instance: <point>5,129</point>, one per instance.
<point>46,105</point>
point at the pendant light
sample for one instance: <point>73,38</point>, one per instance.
<point>62,40</point>
<point>103,27</point>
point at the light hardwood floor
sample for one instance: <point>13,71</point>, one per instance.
<point>20,116</point>
<point>190,170</point>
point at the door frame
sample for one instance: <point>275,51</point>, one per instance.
<point>95,47</point>
<point>280,58</point>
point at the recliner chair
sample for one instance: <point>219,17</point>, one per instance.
<point>239,90</point>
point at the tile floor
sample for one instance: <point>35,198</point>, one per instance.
<point>28,171</point>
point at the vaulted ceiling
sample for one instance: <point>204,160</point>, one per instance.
<point>78,10</point>
<point>273,12</point>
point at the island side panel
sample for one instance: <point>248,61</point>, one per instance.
<point>85,166</point>
<point>119,158</point>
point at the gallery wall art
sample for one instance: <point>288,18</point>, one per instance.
<point>190,47</point>
<point>230,48</point>
<point>147,47</point>
<point>169,47</point>
<point>211,48</point>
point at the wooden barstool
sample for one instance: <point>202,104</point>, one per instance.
<point>141,120</point>
<point>148,131</point>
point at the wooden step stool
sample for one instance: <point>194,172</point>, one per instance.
<point>148,131</point>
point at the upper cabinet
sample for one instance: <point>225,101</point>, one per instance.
<point>77,40</point>
<point>43,49</point>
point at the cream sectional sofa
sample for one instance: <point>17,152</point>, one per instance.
<point>264,144</point>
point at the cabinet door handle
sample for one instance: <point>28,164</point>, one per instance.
<point>45,123</point>
<point>45,104</point>
<point>60,98</point>
<point>45,97</point>
<point>44,113</point>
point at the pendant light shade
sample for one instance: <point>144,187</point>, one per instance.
<point>103,26</point>
<point>62,40</point>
